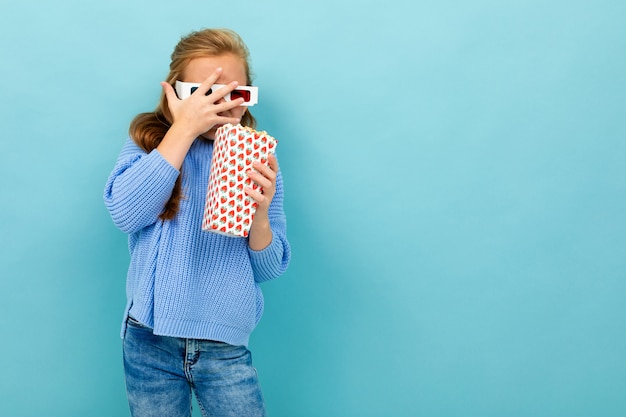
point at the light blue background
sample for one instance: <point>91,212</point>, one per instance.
<point>456,194</point>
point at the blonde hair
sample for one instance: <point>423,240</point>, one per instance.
<point>148,129</point>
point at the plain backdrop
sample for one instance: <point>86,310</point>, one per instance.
<point>455,177</point>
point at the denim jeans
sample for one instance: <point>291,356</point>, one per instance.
<point>162,371</point>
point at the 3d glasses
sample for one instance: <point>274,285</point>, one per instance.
<point>249,94</point>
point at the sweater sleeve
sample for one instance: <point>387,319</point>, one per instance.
<point>138,188</point>
<point>271,262</point>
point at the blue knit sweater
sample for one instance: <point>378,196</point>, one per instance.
<point>183,281</point>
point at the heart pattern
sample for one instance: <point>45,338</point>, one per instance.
<point>228,210</point>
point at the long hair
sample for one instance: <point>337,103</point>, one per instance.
<point>148,129</point>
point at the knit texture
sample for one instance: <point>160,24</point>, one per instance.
<point>183,281</point>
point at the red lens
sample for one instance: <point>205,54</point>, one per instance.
<point>244,94</point>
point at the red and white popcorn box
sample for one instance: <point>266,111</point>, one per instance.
<point>228,210</point>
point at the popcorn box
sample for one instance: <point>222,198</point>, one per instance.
<point>228,210</point>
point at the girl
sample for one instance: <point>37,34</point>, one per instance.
<point>193,296</point>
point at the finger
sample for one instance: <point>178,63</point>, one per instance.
<point>255,195</point>
<point>271,158</point>
<point>170,94</point>
<point>219,94</point>
<point>261,179</point>
<point>264,173</point>
<point>227,105</point>
<point>270,168</point>
<point>211,79</point>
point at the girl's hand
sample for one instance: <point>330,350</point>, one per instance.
<point>198,113</point>
<point>265,177</point>
<point>260,232</point>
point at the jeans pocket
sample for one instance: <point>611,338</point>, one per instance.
<point>133,322</point>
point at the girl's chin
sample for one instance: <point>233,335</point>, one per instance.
<point>210,135</point>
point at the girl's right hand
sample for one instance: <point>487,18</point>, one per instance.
<point>195,116</point>
<point>198,113</point>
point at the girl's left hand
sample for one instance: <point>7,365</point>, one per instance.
<point>260,231</point>
<point>264,177</point>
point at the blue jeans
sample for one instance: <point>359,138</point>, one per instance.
<point>161,372</point>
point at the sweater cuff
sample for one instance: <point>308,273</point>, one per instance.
<point>138,189</point>
<point>268,263</point>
